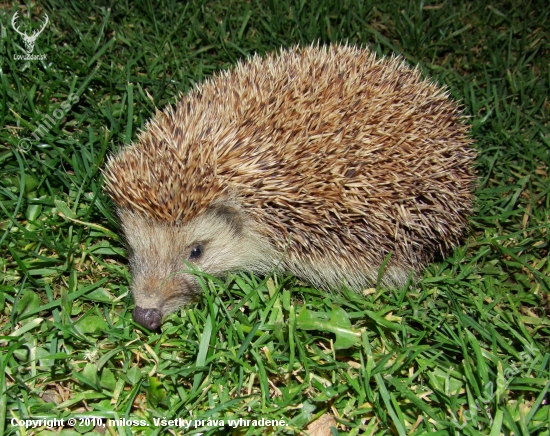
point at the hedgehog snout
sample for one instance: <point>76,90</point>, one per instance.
<point>158,294</point>
<point>148,318</point>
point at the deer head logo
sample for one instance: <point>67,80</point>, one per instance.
<point>29,40</point>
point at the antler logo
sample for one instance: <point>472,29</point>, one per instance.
<point>29,40</point>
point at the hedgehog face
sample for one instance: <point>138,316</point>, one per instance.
<point>216,242</point>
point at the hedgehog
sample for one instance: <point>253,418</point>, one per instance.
<point>326,162</point>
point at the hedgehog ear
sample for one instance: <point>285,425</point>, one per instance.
<point>229,214</point>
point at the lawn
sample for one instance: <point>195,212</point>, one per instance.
<point>464,350</point>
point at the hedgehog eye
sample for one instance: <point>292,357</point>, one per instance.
<point>196,252</point>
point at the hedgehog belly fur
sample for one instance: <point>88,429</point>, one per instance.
<point>318,161</point>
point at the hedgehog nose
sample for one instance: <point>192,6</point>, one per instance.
<point>148,318</point>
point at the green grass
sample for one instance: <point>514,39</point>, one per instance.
<point>467,344</point>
